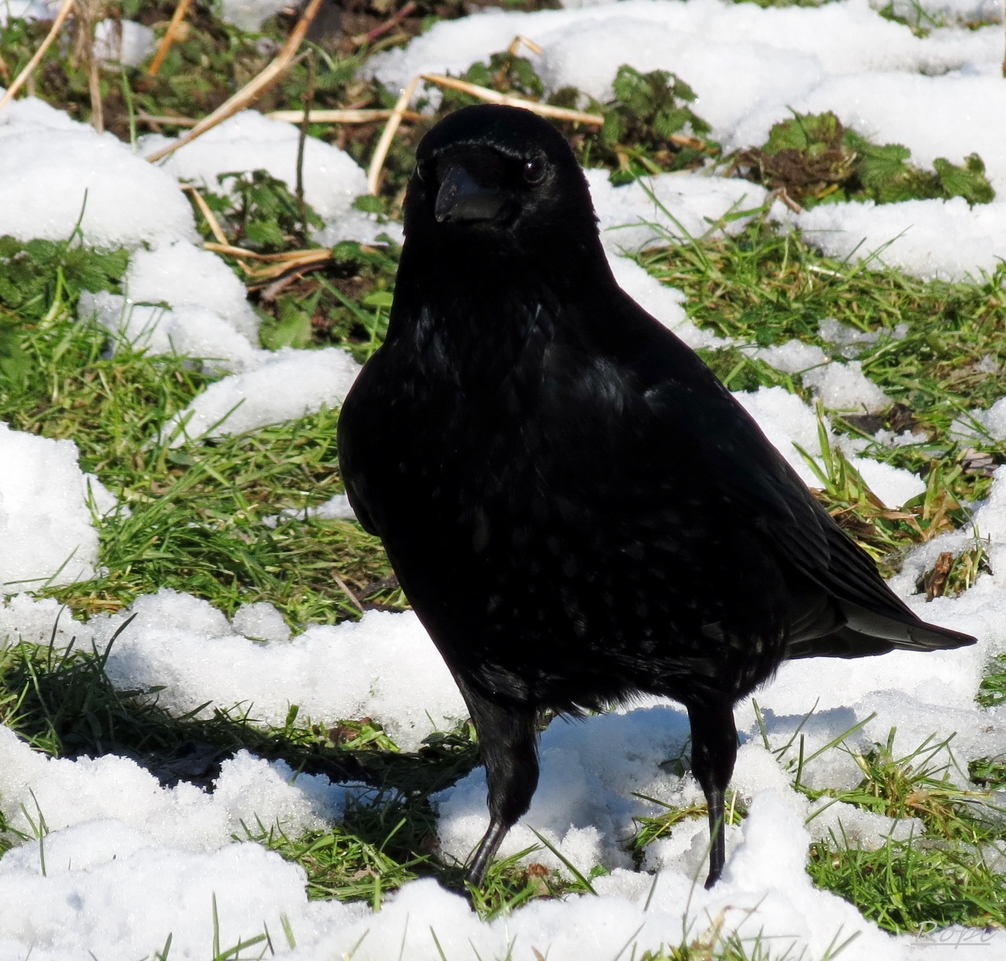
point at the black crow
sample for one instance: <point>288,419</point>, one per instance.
<point>577,509</point>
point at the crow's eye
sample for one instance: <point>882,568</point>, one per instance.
<point>534,170</point>
<point>420,173</point>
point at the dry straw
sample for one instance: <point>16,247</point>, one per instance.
<point>174,32</point>
<point>335,116</point>
<point>64,12</point>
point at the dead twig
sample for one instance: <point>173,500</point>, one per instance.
<point>269,290</point>
<point>87,13</point>
<point>347,592</point>
<point>780,194</point>
<point>387,135</point>
<point>518,40</point>
<point>333,116</point>
<point>19,80</point>
<point>494,96</point>
<point>935,582</point>
<point>252,90</point>
<point>302,141</point>
<point>208,215</point>
<point>173,32</point>
<point>168,121</point>
<point>684,140</point>
<point>94,90</point>
<point>288,257</point>
<point>273,265</point>
<point>379,31</point>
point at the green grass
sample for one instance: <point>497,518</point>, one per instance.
<point>198,513</point>
<point>943,876</point>
<point>198,524</point>
<point>907,885</point>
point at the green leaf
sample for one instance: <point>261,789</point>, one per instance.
<point>671,121</point>
<point>968,181</point>
<point>879,165</point>
<point>648,108</point>
<point>379,298</point>
<point>505,72</point>
<point>293,328</point>
<point>805,132</point>
<point>370,204</point>
<point>614,128</point>
<point>15,364</point>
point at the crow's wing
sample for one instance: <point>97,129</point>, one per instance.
<point>356,438</point>
<point>739,462</point>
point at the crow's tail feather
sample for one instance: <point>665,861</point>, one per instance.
<point>866,633</point>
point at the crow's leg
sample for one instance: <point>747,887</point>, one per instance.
<point>714,750</point>
<point>508,742</point>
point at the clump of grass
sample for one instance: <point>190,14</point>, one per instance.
<point>906,885</point>
<point>41,281</point>
<point>914,785</point>
<point>884,533</point>
<point>258,212</point>
<point>715,944</point>
<point>344,301</point>
<point>992,691</point>
<point>952,574</point>
<point>505,72</point>
<point>650,828</point>
<point>508,884</point>
<point>814,159</point>
<point>942,876</point>
<point>341,864</point>
<point>649,128</point>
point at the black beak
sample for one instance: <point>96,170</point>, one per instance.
<point>461,198</point>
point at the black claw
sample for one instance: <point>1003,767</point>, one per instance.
<point>487,849</point>
<point>714,748</point>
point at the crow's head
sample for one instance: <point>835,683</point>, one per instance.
<point>500,176</point>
